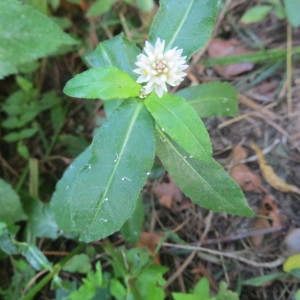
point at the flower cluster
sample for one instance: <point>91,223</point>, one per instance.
<point>158,69</point>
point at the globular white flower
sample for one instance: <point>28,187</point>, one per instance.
<point>158,68</point>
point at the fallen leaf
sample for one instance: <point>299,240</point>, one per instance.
<point>269,209</point>
<point>269,174</point>
<point>238,153</point>
<point>166,201</point>
<point>186,203</point>
<point>267,87</point>
<point>167,192</point>
<point>151,240</point>
<point>220,48</point>
<point>245,178</point>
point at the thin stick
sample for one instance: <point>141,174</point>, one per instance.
<point>272,264</point>
<point>192,255</point>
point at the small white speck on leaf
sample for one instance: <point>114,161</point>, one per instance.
<point>117,157</point>
<point>125,178</point>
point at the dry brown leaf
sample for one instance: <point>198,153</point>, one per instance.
<point>267,87</point>
<point>151,240</point>
<point>167,192</point>
<point>238,153</point>
<point>166,201</point>
<point>245,178</point>
<point>269,175</point>
<point>220,48</point>
<point>186,203</point>
<point>269,209</point>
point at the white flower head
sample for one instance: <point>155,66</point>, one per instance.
<point>158,68</point>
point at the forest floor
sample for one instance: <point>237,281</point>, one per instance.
<point>268,120</point>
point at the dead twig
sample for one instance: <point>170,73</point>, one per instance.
<point>272,264</point>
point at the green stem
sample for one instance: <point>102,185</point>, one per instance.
<point>22,178</point>
<point>57,267</point>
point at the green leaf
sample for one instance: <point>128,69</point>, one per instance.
<point>41,222</point>
<point>20,121</point>
<point>292,262</point>
<point>182,296</point>
<point>23,150</point>
<point>10,123</point>
<point>185,24</point>
<point>150,283</point>
<point>118,52</point>
<point>181,122</point>
<point>40,5</point>
<point>33,254</point>
<point>256,14</point>
<point>11,208</point>
<point>106,83</point>
<point>263,56</point>
<point>224,293</point>
<point>100,7</point>
<point>23,273</point>
<point>75,144</point>
<point>27,37</point>
<point>212,99</point>
<point>132,228</point>
<point>202,288</point>
<point>27,132</point>
<point>88,289</point>
<point>292,11</point>
<point>54,3</point>
<point>12,137</point>
<point>136,260</point>
<point>78,263</point>
<point>117,289</point>
<point>103,194</point>
<point>61,199</point>
<point>111,106</point>
<point>262,280</point>
<point>23,134</point>
<point>145,5</point>
<point>205,182</point>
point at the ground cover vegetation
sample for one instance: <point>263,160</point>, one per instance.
<point>149,152</point>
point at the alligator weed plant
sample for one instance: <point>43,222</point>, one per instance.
<point>99,190</point>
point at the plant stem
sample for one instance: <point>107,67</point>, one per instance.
<point>56,268</point>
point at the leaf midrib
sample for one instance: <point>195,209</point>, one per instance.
<point>127,136</point>
<point>176,33</point>
<point>165,137</point>
<point>184,125</point>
